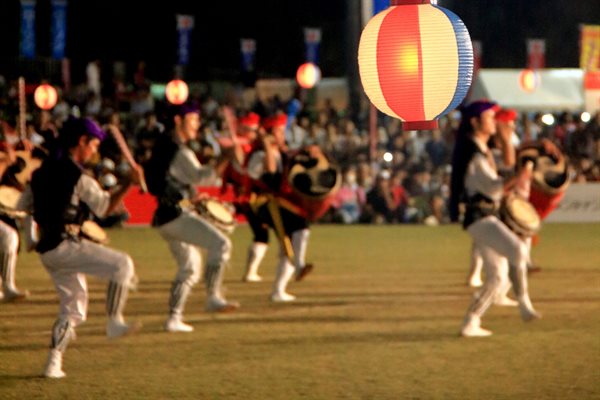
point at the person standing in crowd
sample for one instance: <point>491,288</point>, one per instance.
<point>173,171</point>
<point>475,179</point>
<point>61,196</point>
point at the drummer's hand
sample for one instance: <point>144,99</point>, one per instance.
<point>526,173</point>
<point>200,197</point>
<point>505,133</point>
<point>11,154</point>
<point>27,145</point>
<point>551,149</point>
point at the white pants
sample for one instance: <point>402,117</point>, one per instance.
<point>504,254</point>
<point>184,235</point>
<point>68,263</point>
<point>9,243</point>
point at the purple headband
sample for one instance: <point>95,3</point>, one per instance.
<point>188,108</point>
<point>476,108</point>
<point>93,129</point>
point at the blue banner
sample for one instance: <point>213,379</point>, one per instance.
<point>185,24</point>
<point>27,28</point>
<point>58,28</point>
<point>380,5</point>
<point>312,40</point>
<point>248,48</point>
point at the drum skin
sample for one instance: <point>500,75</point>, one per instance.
<point>520,215</point>
<point>218,214</point>
<point>311,182</point>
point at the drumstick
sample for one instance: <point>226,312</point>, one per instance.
<point>127,153</point>
<point>231,122</point>
<point>22,109</point>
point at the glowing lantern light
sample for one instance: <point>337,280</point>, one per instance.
<point>177,91</point>
<point>416,62</point>
<point>529,80</point>
<point>308,75</point>
<point>45,96</point>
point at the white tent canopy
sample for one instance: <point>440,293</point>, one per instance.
<point>559,90</point>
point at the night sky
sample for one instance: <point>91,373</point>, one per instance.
<point>134,30</point>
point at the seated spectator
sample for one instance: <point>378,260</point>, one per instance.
<point>380,207</point>
<point>350,198</point>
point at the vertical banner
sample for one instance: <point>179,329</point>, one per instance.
<point>477,53</point>
<point>58,28</point>
<point>589,58</point>
<point>27,29</point>
<point>312,40</point>
<point>536,53</point>
<point>248,48</point>
<point>371,8</point>
<point>185,24</point>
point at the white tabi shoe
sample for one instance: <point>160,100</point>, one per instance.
<point>54,365</point>
<point>13,295</point>
<point>282,297</point>
<point>220,305</point>
<point>252,278</point>
<point>472,328</point>
<point>475,282</point>
<point>175,324</point>
<point>115,329</point>
<point>529,314</point>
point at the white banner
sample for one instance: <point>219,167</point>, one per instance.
<point>580,204</point>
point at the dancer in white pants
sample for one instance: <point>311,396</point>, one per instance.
<point>9,244</point>
<point>61,197</point>
<point>266,166</point>
<point>483,190</point>
<point>175,172</point>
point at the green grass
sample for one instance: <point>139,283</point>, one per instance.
<point>378,319</point>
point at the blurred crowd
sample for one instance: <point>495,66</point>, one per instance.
<point>401,178</point>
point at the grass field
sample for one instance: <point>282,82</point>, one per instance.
<point>378,319</point>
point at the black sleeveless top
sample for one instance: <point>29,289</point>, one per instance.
<point>52,186</point>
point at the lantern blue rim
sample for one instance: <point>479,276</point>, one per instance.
<point>465,60</point>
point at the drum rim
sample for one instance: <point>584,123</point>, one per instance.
<point>218,203</point>
<point>509,219</point>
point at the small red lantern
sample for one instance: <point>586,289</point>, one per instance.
<point>416,62</point>
<point>45,96</point>
<point>177,91</point>
<point>529,80</point>
<point>308,75</point>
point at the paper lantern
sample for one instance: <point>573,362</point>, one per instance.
<point>308,75</point>
<point>45,96</point>
<point>529,80</point>
<point>416,62</point>
<point>177,91</point>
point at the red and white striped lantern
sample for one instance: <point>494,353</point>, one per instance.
<point>416,62</point>
<point>177,91</point>
<point>308,75</point>
<point>45,96</point>
<point>529,80</point>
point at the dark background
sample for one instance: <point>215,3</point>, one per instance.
<point>145,30</point>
